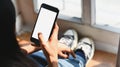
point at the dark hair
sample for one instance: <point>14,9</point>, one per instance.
<point>10,53</point>
<point>8,41</point>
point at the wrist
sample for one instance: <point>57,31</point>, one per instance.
<point>53,62</point>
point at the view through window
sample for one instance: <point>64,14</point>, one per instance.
<point>108,12</point>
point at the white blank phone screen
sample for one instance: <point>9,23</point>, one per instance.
<point>44,23</point>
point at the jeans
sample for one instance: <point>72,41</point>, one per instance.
<point>79,61</point>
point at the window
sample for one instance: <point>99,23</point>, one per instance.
<point>71,8</point>
<point>107,13</point>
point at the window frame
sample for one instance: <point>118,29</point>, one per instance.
<point>88,18</point>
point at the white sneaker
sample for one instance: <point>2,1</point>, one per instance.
<point>87,45</point>
<point>70,38</point>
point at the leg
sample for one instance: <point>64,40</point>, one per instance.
<point>39,58</point>
<point>84,49</point>
<point>84,53</point>
<point>70,39</point>
<point>79,61</point>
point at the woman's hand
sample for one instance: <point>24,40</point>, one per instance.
<point>50,48</point>
<point>64,51</point>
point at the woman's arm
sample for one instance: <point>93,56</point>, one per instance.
<point>29,48</point>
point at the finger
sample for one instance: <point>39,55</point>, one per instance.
<point>73,54</point>
<point>55,32</point>
<point>63,55</point>
<point>68,50</point>
<point>41,38</point>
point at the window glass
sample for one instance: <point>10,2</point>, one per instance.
<point>108,12</point>
<point>70,8</point>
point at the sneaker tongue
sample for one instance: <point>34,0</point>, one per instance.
<point>86,47</point>
<point>67,40</point>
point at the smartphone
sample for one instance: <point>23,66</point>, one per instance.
<point>45,22</point>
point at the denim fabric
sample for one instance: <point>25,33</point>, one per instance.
<point>39,58</point>
<point>79,61</point>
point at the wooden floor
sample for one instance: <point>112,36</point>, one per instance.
<point>100,59</point>
<point>103,59</point>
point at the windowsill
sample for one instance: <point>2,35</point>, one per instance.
<point>71,19</point>
<point>108,28</point>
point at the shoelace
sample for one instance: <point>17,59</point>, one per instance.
<point>67,40</point>
<point>86,48</point>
